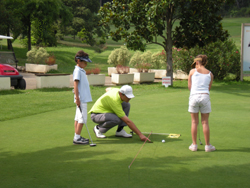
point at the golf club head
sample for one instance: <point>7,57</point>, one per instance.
<point>92,145</point>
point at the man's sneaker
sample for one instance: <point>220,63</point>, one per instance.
<point>123,133</point>
<point>80,141</point>
<point>209,148</point>
<point>86,139</point>
<point>193,147</point>
<point>98,133</point>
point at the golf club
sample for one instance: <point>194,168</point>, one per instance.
<point>92,144</point>
<point>199,135</point>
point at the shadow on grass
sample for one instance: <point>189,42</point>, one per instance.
<point>233,87</point>
<point>74,166</point>
<point>54,89</point>
<point>235,150</point>
<point>12,92</point>
<point>135,140</point>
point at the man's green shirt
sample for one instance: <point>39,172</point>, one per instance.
<point>109,102</point>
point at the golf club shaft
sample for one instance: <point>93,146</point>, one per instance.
<point>85,124</point>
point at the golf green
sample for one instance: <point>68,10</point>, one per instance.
<point>37,150</point>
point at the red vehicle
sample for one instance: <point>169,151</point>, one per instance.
<point>16,79</point>
<point>6,70</point>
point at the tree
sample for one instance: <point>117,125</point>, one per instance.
<point>9,20</point>
<point>84,18</point>
<point>41,14</point>
<point>199,23</point>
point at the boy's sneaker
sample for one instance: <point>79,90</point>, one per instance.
<point>193,147</point>
<point>209,148</point>
<point>123,133</point>
<point>80,141</point>
<point>86,139</point>
<point>98,133</point>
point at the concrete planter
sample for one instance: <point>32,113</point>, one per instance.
<point>159,73</point>
<point>180,75</point>
<point>122,78</point>
<point>112,70</point>
<point>38,68</point>
<point>52,80</point>
<point>96,79</point>
<point>141,77</point>
<point>5,83</point>
<point>133,70</point>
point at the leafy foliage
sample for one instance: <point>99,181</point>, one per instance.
<point>119,56</point>
<point>159,60</point>
<point>141,61</point>
<point>223,58</point>
<point>37,56</point>
<point>85,20</point>
<point>203,28</point>
<point>122,69</point>
<point>151,18</point>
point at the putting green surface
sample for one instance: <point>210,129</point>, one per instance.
<point>37,150</point>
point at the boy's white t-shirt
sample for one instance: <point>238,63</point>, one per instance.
<point>83,85</point>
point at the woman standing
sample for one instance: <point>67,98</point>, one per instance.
<point>200,81</point>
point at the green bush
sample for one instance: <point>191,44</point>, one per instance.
<point>223,59</point>
<point>119,56</point>
<point>24,41</point>
<point>37,56</point>
<point>159,60</point>
<point>141,61</point>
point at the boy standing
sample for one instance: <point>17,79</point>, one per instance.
<point>82,95</point>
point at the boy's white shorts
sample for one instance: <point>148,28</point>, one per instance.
<point>81,117</point>
<point>199,102</point>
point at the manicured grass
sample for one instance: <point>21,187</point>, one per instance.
<point>36,132</point>
<point>233,25</point>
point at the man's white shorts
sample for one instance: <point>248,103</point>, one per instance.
<point>199,102</point>
<point>81,117</point>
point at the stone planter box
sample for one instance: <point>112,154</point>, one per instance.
<point>122,78</point>
<point>38,68</point>
<point>159,73</point>
<point>96,79</point>
<point>180,75</point>
<point>133,70</point>
<point>5,83</point>
<point>52,80</point>
<point>141,77</point>
<point>112,70</point>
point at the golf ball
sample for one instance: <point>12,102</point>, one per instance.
<point>163,141</point>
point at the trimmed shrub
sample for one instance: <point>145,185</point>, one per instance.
<point>223,59</point>
<point>37,56</point>
<point>119,56</point>
<point>141,61</point>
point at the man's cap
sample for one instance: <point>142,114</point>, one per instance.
<point>84,58</point>
<point>127,90</point>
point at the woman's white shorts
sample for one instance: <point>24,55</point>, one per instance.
<point>81,117</point>
<point>199,102</point>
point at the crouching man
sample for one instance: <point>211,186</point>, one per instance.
<point>112,109</point>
